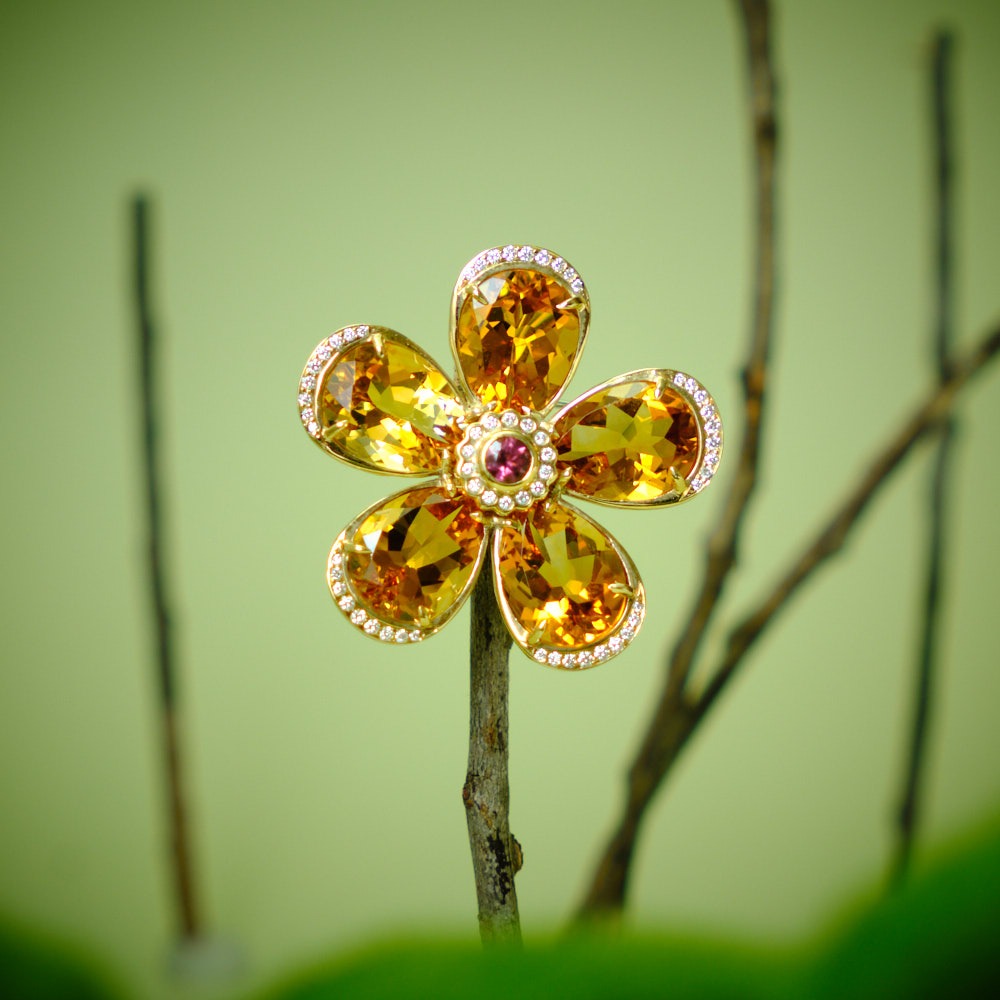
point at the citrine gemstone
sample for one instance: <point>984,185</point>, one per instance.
<point>507,459</point>
<point>517,336</point>
<point>386,405</point>
<point>622,441</point>
<point>556,569</point>
<point>411,560</point>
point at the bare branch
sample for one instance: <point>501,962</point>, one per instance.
<point>496,855</point>
<point>925,667</point>
<point>609,884</point>
<point>181,867</point>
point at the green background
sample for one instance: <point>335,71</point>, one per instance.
<point>320,164</point>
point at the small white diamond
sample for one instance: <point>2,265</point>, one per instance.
<point>577,285</point>
<point>680,378</point>
<point>476,432</point>
<point>304,399</point>
<point>628,633</point>
<point>697,484</point>
<point>540,438</point>
<point>416,635</point>
<point>371,626</point>
<point>712,458</point>
<point>528,425</point>
<point>541,655</point>
<point>558,265</point>
<point>616,643</point>
<point>402,635</point>
<point>468,451</point>
<point>347,603</point>
<point>543,257</point>
<point>314,365</point>
<point>493,256</point>
<point>361,331</point>
<point>313,428</point>
<point>715,441</point>
<point>525,253</point>
<point>635,618</point>
<point>509,252</point>
<point>324,351</point>
<point>548,455</point>
<point>387,633</point>
<point>701,397</point>
<point>523,498</point>
<point>358,616</point>
<point>336,573</point>
<point>348,334</point>
<point>468,469</point>
<point>537,488</point>
<point>339,589</point>
<point>713,427</point>
<point>491,421</point>
<point>506,503</point>
<point>601,652</point>
<point>585,658</point>
<point>489,498</point>
<point>509,418</point>
<point>554,659</point>
<point>546,472</point>
<point>708,411</point>
<point>569,274</point>
<point>474,486</point>
<point>336,341</point>
<point>307,415</point>
<point>337,558</point>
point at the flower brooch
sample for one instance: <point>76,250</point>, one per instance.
<point>501,456</point>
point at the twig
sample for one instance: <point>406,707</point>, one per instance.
<point>926,659</point>
<point>181,869</point>
<point>607,891</point>
<point>496,855</point>
<point>649,771</point>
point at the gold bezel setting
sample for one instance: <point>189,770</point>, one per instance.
<point>706,417</point>
<point>470,472</point>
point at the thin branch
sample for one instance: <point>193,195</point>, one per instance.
<point>649,771</point>
<point>926,420</point>
<point>181,869</point>
<point>927,653</point>
<point>496,855</point>
<point>609,884</point>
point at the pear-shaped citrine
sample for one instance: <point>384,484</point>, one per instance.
<point>384,404</point>
<point>517,336</point>
<point>623,440</point>
<point>411,560</point>
<point>556,569</point>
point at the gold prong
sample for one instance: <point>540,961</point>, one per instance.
<point>623,588</point>
<point>558,487</point>
<point>535,636</point>
<point>680,483</point>
<point>661,385</point>
<point>575,302</point>
<point>376,341</point>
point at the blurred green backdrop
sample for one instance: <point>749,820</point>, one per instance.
<point>317,164</point>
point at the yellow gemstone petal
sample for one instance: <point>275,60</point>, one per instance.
<point>384,404</point>
<point>517,336</point>
<point>563,580</point>
<point>412,559</point>
<point>626,441</point>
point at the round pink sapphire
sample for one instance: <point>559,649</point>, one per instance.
<point>507,459</point>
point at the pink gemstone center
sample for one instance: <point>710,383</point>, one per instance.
<point>507,459</point>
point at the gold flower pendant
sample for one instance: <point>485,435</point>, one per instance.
<point>500,456</point>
